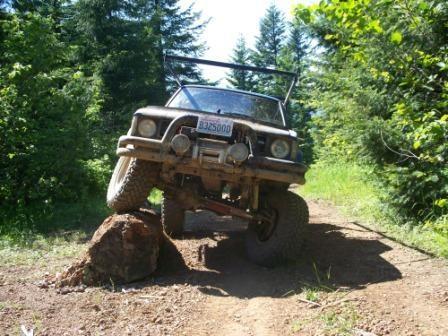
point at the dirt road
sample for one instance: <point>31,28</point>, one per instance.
<point>350,281</point>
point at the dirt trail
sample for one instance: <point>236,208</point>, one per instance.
<point>350,281</point>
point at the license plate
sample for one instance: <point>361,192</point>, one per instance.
<point>215,125</point>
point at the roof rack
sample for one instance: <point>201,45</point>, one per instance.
<point>292,75</point>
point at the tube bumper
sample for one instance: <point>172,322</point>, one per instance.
<point>262,168</point>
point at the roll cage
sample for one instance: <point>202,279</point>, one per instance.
<point>174,58</point>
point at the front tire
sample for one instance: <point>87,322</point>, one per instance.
<point>130,184</point>
<point>173,217</point>
<point>281,240</point>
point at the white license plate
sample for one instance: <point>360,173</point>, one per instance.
<point>215,125</point>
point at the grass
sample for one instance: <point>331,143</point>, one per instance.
<point>84,215</point>
<point>155,198</point>
<point>353,189</point>
<point>58,235</point>
<point>61,234</point>
<point>42,248</point>
<point>340,319</point>
<point>340,322</point>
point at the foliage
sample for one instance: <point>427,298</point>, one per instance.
<point>284,46</point>
<point>294,57</point>
<point>124,42</point>
<point>114,40</point>
<point>357,193</point>
<point>380,94</point>
<point>179,34</point>
<point>45,107</point>
<point>61,235</point>
<point>271,38</point>
<point>71,75</point>
<point>268,47</point>
<point>239,79</point>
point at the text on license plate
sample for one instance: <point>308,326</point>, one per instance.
<point>215,125</point>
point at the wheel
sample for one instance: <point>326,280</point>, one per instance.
<point>130,184</point>
<point>279,239</point>
<point>173,217</point>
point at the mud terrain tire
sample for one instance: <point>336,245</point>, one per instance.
<point>130,184</point>
<point>285,241</point>
<point>173,217</point>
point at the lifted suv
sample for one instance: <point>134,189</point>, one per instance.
<point>227,151</point>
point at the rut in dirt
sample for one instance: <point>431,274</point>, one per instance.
<point>205,285</point>
<point>212,255</point>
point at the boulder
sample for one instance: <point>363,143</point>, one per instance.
<point>124,248</point>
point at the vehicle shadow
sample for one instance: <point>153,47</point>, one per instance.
<point>329,257</point>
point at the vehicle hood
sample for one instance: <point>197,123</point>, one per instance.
<point>171,113</point>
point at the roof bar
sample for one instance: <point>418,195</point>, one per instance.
<point>236,67</point>
<point>229,65</point>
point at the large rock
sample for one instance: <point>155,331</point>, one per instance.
<point>125,248</point>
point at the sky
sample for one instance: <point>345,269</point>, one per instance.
<point>230,19</point>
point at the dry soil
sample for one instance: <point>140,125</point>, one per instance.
<point>350,281</point>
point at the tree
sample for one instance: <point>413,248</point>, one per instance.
<point>3,17</point>
<point>381,93</point>
<point>178,32</point>
<point>45,111</point>
<point>115,40</point>
<point>296,48</point>
<point>293,57</point>
<point>71,75</point>
<point>268,48</point>
<point>242,80</point>
<point>124,42</point>
<point>269,43</point>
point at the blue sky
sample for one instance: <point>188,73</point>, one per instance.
<point>229,20</point>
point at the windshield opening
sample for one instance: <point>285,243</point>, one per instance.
<point>228,102</point>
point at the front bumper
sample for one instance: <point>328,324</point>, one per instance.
<point>259,168</point>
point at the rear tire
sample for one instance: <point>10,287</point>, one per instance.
<point>173,217</point>
<point>130,184</point>
<point>283,241</point>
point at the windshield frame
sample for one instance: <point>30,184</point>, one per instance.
<point>280,104</point>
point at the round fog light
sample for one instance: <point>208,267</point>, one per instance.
<point>180,144</point>
<point>238,152</point>
<point>147,128</point>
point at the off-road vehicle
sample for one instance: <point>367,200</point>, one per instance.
<point>223,150</point>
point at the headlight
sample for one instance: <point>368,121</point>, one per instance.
<point>147,128</point>
<point>280,149</point>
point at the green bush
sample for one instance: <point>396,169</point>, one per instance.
<point>357,193</point>
<point>379,92</point>
<point>46,109</point>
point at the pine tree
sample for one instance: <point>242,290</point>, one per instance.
<point>115,41</point>
<point>125,41</point>
<point>268,48</point>
<point>178,32</point>
<point>293,58</point>
<point>242,80</point>
<point>72,72</point>
<point>48,8</point>
<point>3,17</point>
<point>271,39</point>
<point>296,48</point>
